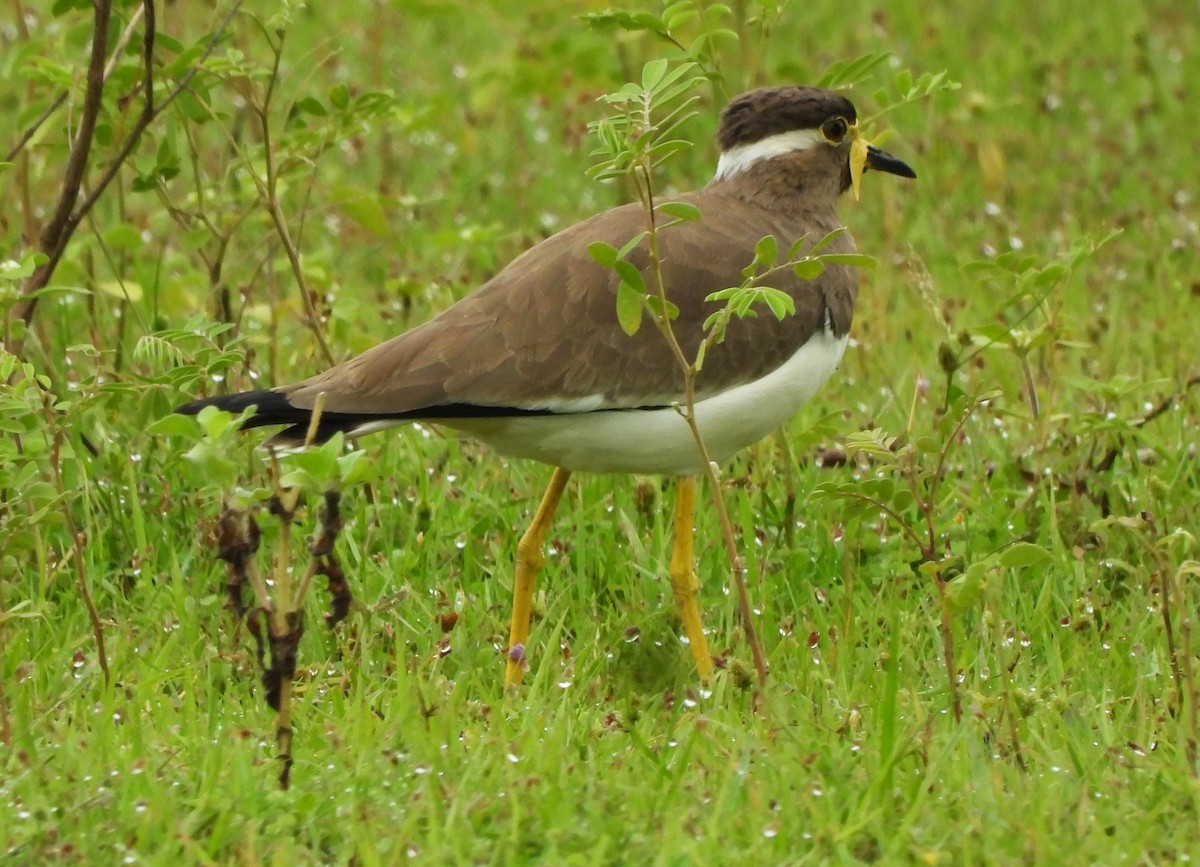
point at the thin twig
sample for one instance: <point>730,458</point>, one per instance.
<point>32,129</point>
<point>5,717</point>
<point>904,526</point>
<point>948,646</point>
<point>58,101</point>
<point>1110,457</point>
<point>1191,698</point>
<point>286,624</point>
<point>688,368</point>
<point>270,193</point>
<point>310,436</point>
<point>78,538</point>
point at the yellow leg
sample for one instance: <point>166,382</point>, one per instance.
<point>530,558</point>
<point>683,575</point>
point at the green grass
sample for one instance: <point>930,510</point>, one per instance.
<point>1074,743</point>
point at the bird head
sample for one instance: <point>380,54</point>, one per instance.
<point>774,123</point>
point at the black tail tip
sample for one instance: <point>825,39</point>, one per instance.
<point>270,407</point>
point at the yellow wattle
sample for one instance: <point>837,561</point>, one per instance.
<point>858,160</point>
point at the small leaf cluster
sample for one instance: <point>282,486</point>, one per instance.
<point>29,507</point>
<point>805,261</point>
<point>1026,319</point>
<point>705,33</point>
<point>215,437</point>
<point>641,133</point>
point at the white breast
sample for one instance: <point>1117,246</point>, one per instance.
<point>659,441</point>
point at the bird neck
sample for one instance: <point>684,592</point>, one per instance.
<point>783,189</point>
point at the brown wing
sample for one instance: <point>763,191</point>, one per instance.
<point>544,331</point>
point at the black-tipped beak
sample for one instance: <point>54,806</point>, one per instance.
<point>882,161</point>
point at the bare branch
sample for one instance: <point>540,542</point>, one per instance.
<point>58,233</point>
<point>32,129</point>
<point>77,162</point>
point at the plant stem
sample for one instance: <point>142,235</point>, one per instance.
<point>79,539</point>
<point>688,411</point>
<point>270,193</point>
<point>948,647</point>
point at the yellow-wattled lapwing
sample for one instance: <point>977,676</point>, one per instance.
<point>536,364</point>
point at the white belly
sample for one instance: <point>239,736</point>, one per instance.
<point>659,441</point>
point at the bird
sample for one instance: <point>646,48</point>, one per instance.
<point>536,364</point>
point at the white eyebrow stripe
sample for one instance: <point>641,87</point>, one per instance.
<point>741,157</point>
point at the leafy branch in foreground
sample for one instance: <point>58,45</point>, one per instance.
<point>275,620</point>
<point>634,143</point>
<point>726,41</point>
<point>1027,321</point>
<point>904,487</point>
<point>905,89</point>
<point>1174,574</point>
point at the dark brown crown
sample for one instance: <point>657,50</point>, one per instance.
<point>768,111</point>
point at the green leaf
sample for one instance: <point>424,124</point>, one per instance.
<point>363,207</point>
<point>166,159</point>
<point>964,591</point>
<point>781,303</point>
<point>173,425</point>
<point>665,150</point>
<point>1023,554</point>
<point>356,467</point>
<point>675,19</point>
<point>14,269</point>
<point>851,71</point>
<point>630,276</point>
<point>196,105</point>
<point>628,246</point>
<point>604,253</point>
<point>631,21</point>
<point>315,468</point>
<point>61,7</point>
<point>310,105</point>
<point>126,290</point>
<point>23,424</point>
<point>629,308</point>
<point>123,236</point>
<point>809,269</point>
<point>652,74</point>
<point>766,250</point>
<point>856,260</point>
<point>874,442</point>
<point>661,307</point>
<point>723,294</point>
<point>214,467</point>
<point>817,247</point>
<point>680,211</point>
<point>300,478</point>
<point>716,324</point>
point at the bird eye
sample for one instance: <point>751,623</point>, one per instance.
<point>834,129</point>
